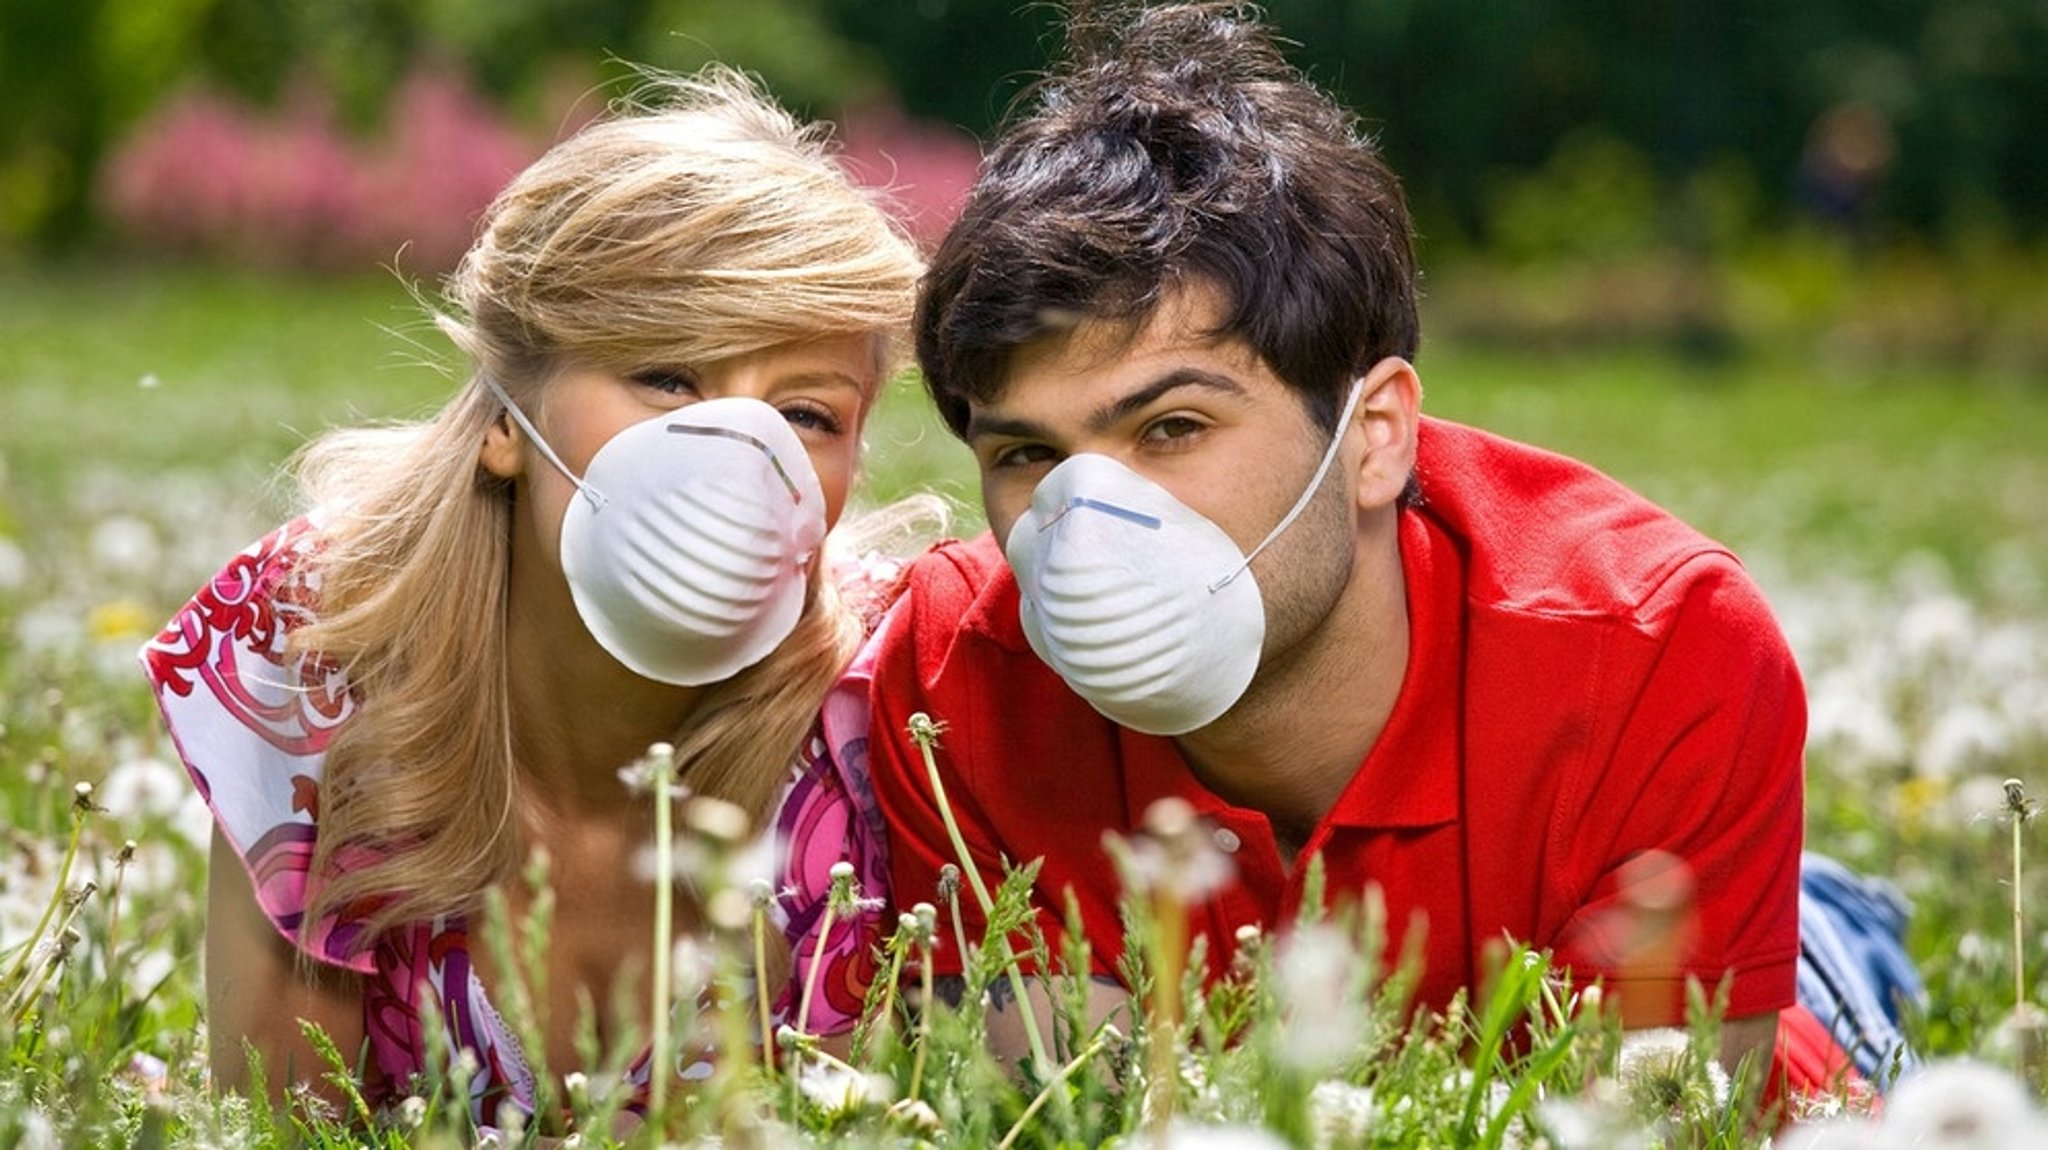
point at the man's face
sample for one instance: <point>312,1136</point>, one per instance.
<point>1205,419</point>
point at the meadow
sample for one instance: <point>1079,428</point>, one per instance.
<point>1895,513</point>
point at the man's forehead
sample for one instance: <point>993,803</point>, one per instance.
<point>1184,324</point>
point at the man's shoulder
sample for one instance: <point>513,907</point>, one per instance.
<point>1546,534</point>
<point>959,588</point>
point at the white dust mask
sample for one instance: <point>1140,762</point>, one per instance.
<point>689,548</point>
<point>1144,606</point>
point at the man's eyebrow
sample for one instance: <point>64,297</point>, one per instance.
<point>1121,408</point>
<point>981,424</point>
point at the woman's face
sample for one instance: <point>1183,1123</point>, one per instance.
<point>823,387</point>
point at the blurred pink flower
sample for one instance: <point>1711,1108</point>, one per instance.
<point>925,168</point>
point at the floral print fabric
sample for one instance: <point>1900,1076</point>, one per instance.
<point>252,722</point>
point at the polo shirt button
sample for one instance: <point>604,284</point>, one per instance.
<point>1227,840</point>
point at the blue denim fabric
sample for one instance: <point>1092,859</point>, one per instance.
<point>1854,973</point>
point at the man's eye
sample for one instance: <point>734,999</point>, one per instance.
<point>671,381</point>
<point>1171,428</point>
<point>1022,455</point>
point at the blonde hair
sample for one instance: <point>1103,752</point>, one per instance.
<point>697,222</point>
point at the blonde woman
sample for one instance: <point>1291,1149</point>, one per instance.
<point>610,537</point>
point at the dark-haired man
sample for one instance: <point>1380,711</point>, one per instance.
<point>1231,562</point>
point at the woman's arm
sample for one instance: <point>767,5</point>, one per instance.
<point>258,989</point>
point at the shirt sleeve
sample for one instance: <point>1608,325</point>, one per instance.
<point>252,720</point>
<point>1689,832</point>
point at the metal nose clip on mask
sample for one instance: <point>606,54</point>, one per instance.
<point>1144,606</point>
<point>689,550</point>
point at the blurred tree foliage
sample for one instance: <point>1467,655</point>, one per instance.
<point>1465,94</point>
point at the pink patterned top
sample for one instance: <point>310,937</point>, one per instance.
<point>252,723</point>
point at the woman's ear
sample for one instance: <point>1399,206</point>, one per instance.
<point>1390,415</point>
<point>503,452</point>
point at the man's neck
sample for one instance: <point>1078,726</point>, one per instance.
<point>1292,744</point>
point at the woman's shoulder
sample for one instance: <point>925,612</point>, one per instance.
<point>251,718</point>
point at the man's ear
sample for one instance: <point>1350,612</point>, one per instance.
<point>503,453</point>
<point>1390,415</point>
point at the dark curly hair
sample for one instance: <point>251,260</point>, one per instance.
<point>1175,144</point>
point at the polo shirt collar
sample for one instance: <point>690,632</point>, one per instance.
<point>1412,775</point>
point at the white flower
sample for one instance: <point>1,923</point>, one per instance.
<point>1659,1072</point>
<point>13,565</point>
<point>1835,1134</point>
<point>36,1132</point>
<point>1961,1105</point>
<point>1192,1136</point>
<point>147,971</point>
<point>143,787</point>
<point>1962,736</point>
<point>1339,1114</point>
<point>1595,1120</point>
<point>1316,979</point>
<point>126,544</point>
<point>836,1088</point>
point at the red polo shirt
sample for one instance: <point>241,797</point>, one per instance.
<point>1588,679</point>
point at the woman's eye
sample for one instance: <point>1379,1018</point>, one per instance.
<point>806,417</point>
<point>667,380</point>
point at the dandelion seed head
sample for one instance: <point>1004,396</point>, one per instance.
<point>13,565</point>
<point>125,544</point>
<point>842,871</point>
<point>143,787</point>
<point>717,820</point>
<point>839,1089</point>
<point>916,1116</point>
<point>1340,1114</point>
<point>1197,1136</point>
<point>729,908</point>
<point>1315,973</point>
<point>1961,1104</point>
<point>37,1132</point>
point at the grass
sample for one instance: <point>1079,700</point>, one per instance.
<point>1898,519</point>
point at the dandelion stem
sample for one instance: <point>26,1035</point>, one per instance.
<point>121,862</point>
<point>79,808</point>
<point>924,731</point>
<point>761,993</point>
<point>1057,1082</point>
<point>2019,960</point>
<point>664,912</point>
<point>803,1010</point>
<point>924,1013</point>
<point>2020,808</point>
<point>1163,1033</point>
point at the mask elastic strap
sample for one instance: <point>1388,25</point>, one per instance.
<point>1308,493</point>
<point>596,497</point>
